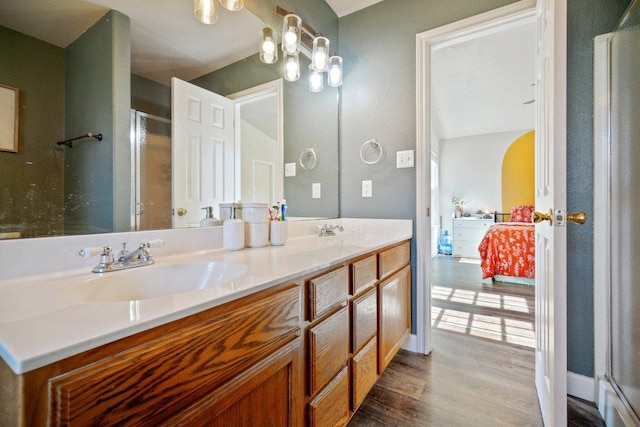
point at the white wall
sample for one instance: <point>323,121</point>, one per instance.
<point>255,145</point>
<point>471,168</point>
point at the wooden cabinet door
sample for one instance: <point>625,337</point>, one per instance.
<point>264,395</point>
<point>330,408</point>
<point>363,373</point>
<point>328,349</point>
<point>394,317</point>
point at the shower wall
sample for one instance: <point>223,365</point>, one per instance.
<point>625,202</point>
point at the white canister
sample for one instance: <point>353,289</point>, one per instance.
<point>279,232</point>
<point>256,234</point>
<point>227,210</point>
<point>233,234</point>
<point>255,212</point>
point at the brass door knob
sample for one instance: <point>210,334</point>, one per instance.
<point>182,211</point>
<point>578,217</point>
<point>539,217</point>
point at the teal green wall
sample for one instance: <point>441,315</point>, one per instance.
<point>98,100</point>
<point>310,119</point>
<point>378,100</point>
<point>150,97</point>
<point>31,180</point>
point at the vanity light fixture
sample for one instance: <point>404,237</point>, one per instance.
<point>269,45</point>
<point>315,80</point>
<point>291,66</point>
<point>334,73</point>
<point>232,5</point>
<point>291,33</point>
<point>320,54</point>
<point>206,11</point>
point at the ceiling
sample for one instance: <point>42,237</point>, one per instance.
<point>345,7</point>
<point>484,84</point>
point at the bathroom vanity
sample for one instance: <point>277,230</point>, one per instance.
<point>299,339</point>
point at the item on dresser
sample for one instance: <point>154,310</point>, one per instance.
<point>445,243</point>
<point>467,234</point>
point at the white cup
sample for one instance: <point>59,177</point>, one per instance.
<point>279,232</point>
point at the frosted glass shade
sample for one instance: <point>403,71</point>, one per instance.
<point>291,33</point>
<point>232,5</point>
<point>291,66</point>
<point>206,11</point>
<point>334,72</point>
<point>269,46</point>
<point>316,82</point>
<point>320,54</point>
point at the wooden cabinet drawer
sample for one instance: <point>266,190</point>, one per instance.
<point>364,312</point>
<point>393,259</point>
<point>363,273</point>
<point>328,349</point>
<point>327,291</point>
<point>331,407</point>
<point>363,373</point>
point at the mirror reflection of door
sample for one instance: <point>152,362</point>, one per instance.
<point>152,148</point>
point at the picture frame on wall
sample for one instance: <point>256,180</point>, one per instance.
<point>9,97</point>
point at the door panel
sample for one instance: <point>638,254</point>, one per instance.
<point>203,152</point>
<point>551,328</point>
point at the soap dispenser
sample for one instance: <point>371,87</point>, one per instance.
<point>209,220</point>
<point>233,232</point>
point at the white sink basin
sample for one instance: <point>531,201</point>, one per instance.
<point>153,281</point>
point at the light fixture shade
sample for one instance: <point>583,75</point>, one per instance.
<point>291,66</point>
<point>316,82</point>
<point>205,11</point>
<point>291,33</point>
<point>268,45</point>
<point>320,54</point>
<point>232,5</point>
<point>334,73</point>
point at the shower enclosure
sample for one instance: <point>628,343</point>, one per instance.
<point>624,310</point>
<point>151,171</point>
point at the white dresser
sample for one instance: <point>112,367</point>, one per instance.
<point>467,234</point>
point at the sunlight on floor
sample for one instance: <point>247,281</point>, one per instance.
<point>469,261</point>
<point>481,299</point>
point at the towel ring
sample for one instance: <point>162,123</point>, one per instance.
<point>375,146</point>
<point>308,159</point>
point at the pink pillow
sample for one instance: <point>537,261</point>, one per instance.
<point>521,213</point>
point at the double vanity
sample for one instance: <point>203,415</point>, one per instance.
<point>288,335</point>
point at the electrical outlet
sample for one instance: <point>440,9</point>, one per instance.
<point>315,190</point>
<point>367,188</point>
<point>404,159</point>
<point>289,169</point>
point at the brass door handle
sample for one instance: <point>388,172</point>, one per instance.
<point>539,217</point>
<point>578,217</point>
<point>182,211</point>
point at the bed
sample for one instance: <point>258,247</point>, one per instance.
<point>507,250</point>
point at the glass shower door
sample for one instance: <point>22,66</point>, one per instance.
<point>152,171</point>
<point>624,369</point>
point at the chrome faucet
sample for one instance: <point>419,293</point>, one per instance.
<point>328,230</point>
<point>125,259</point>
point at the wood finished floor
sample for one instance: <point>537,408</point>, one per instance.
<point>481,369</point>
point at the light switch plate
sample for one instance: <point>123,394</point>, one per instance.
<point>315,190</point>
<point>367,188</point>
<point>289,169</point>
<point>404,159</point>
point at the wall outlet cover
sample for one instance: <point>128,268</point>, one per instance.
<point>367,188</point>
<point>289,169</point>
<point>316,190</point>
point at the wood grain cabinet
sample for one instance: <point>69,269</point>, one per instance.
<point>301,353</point>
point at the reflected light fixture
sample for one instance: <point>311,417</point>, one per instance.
<point>291,66</point>
<point>232,5</point>
<point>320,54</point>
<point>291,33</point>
<point>334,73</point>
<point>315,80</point>
<point>268,45</point>
<point>206,11</point>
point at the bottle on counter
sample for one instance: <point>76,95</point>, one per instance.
<point>233,232</point>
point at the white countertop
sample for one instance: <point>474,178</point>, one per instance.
<point>39,325</point>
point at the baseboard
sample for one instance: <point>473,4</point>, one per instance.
<point>612,409</point>
<point>581,386</point>
<point>411,343</point>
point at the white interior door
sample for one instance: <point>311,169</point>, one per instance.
<point>202,153</point>
<point>551,293</point>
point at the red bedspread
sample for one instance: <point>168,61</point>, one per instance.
<point>508,249</point>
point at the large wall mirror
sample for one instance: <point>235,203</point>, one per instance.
<point>107,78</point>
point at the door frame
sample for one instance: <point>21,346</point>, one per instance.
<point>424,42</point>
